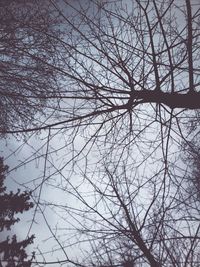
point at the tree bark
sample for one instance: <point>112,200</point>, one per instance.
<point>190,100</point>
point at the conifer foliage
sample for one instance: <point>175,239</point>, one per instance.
<point>12,252</point>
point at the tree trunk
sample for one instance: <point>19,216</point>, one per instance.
<point>190,100</point>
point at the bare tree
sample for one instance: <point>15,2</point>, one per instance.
<point>117,57</point>
<point>128,85</point>
<point>27,49</point>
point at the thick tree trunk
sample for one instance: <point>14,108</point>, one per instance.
<point>172,100</point>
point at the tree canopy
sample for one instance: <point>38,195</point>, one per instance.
<point>27,49</point>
